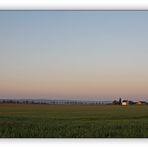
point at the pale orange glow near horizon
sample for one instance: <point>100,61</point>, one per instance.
<point>85,86</point>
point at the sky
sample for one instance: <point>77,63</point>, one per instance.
<point>74,54</point>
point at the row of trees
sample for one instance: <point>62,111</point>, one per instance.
<point>11,101</point>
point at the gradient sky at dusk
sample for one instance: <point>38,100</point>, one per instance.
<point>74,54</point>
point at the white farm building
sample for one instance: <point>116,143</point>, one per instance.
<point>125,102</point>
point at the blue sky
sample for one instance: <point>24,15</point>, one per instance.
<point>74,53</point>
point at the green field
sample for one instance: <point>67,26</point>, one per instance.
<point>73,121</point>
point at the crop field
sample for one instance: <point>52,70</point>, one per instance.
<point>73,121</point>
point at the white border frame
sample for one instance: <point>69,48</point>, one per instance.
<point>73,4</point>
<point>74,143</point>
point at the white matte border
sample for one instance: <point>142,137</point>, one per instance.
<point>73,4</point>
<point>74,143</point>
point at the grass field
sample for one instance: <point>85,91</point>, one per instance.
<point>72,121</point>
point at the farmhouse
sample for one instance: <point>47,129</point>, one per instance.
<point>125,102</point>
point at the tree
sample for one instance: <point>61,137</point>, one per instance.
<point>115,102</point>
<point>120,101</point>
<point>131,102</point>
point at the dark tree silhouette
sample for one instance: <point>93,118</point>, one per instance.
<point>115,102</point>
<point>120,101</point>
